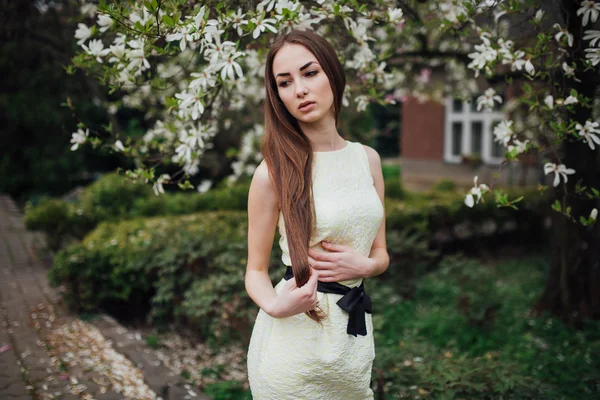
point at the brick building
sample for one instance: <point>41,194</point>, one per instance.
<point>454,141</point>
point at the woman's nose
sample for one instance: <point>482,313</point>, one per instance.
<point>302,91</point>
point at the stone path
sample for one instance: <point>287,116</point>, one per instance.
<point>30,309</point>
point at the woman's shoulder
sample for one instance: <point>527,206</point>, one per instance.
<point>372,154</point>
<point>261,174</point>
<point>262,188</point>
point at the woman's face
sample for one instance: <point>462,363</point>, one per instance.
<point>300,79</point>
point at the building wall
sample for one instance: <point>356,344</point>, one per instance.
<point>422,130</point>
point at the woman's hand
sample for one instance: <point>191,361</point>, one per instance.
<point>340,263</point>
<point>292,300</point>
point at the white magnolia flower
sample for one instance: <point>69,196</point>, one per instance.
<point>519,146</point>
<point>268,4</point>
<point>142,19</point>
<point>570,100</point>
<point>192,168</point>
<point>482,57</point>
<point>78,138</point>
<point>119,146</point>
<point>559,170</point>
<point>191,103</point>
<point>82,33</point>
<point>394,14</point>
<point>380,75</point>
<point>589,132</point>
<point>569,71</point>
<point>503,132</point>
<point>590,10</point>
<point>529,68</point>
<point>286,4</point>
<point>593,54</point>
<point>183,153</point>
<point>237,20</point>
<point>88,9</point>
<point>120,39</point>
<point>487,100</point>
<point>594,214</point>
<point>118,53</point>
<point>539,15</point>
<point>96,49</point>
<point>361,102</point>
<point>205,79</point>
<point>563,32</point>
<point>549,101</point>
<point>218,51</point>
<point>199,20</point>
<point>183,37</point>
<point>158,185</point>
<point>137,57</point>
<point>229,67</point>
<point>204,186</point>
<point>263,24</point>
<point>105,22</point>
<point>592,36</point>
<point>476,191</point>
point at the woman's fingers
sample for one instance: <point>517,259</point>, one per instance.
<point>321,256</point>
<point>322,265</point>
<point>311,285</point>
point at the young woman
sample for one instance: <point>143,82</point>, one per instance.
<point>313,336</point>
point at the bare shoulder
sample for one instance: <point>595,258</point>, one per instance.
<point>261,175</point>
<point>372,155</point>
<point>262,188</point>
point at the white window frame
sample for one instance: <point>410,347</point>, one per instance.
<point>467,117</point>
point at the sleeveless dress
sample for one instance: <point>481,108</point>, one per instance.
<point>295,357</point>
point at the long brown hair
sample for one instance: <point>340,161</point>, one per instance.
<point>288,151</point>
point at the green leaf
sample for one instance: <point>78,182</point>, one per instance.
<point>556,206</point>
<point>168,20</point>
<point>185,185</point>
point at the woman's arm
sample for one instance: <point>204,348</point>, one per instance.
<point>263,212</point>
<point>379,255</point>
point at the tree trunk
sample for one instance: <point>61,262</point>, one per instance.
<point>573,288</point>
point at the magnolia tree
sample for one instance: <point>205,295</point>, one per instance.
<point>190,65</point>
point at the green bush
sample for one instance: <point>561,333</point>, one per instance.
<point>51,216</point>
<point>112,197</point>
<point>390,171</point>
<point>393,189</point>
<point>187,269</point>
<point>227,390</point>
<point>442,212</point>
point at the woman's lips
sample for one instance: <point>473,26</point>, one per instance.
<point>307,107</point>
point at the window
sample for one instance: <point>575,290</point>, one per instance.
<point>470,132</point>
<point>498,149</point>
<point>476,137</point>
<point>457,134</point>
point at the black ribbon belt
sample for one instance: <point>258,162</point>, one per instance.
<point>355,301</point>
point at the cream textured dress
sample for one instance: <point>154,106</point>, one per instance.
<point>295,357</point>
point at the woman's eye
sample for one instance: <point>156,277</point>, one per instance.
<point>309,73</point>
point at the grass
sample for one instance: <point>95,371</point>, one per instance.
<point>468,333</point>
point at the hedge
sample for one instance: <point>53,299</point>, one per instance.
<point>114,198</point>
<point>190,269</point>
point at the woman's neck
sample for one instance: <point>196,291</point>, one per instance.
<point>323,135</point>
